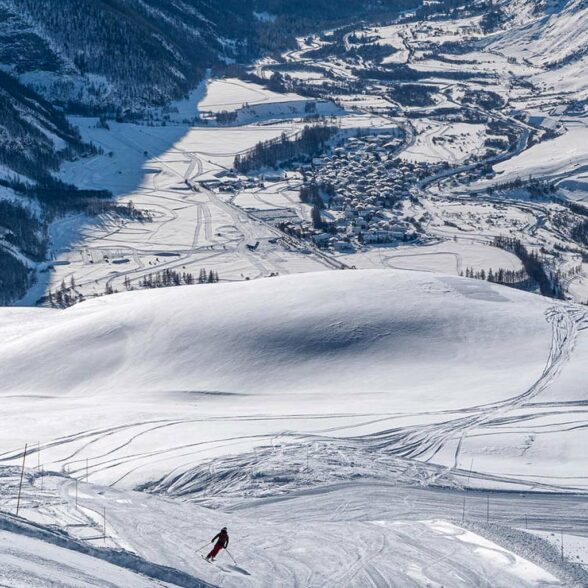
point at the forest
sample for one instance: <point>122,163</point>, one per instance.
<point>310,143</point>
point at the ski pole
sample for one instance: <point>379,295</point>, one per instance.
<point>203,546</point>
<point>231,556</point>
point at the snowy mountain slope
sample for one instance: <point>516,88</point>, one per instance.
<point>31,562</point>
<point>115,55</point>
<point>549,33</point>
<point>153,385</point>
<point>553,35</point>
<point>351,536</point>
<point>35,138</point>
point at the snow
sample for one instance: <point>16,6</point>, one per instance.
<point>519,567</point>
<point>354,353</point>
<point>26,561</point>
<point>331,420</point>
<point>557,157</point>
<point>190,229</point>
<point>575,547</point>
<point>232,94</point>
<point>448,257</point>
<point>340,537</point>
<point>548,39</point>
<point>439,141</point>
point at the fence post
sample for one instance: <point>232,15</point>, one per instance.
<point>24,456</point>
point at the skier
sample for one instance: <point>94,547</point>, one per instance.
<point>222,542</point>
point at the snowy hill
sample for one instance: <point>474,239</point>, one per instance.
<point>320,412</point>
<point>143,383</point>
<point>551,34</point>
<point>352,537</point>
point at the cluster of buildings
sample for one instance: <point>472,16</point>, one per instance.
<point>363,184</point>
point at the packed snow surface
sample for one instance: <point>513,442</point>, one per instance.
<point>353,536</point>
<point>150,386</point>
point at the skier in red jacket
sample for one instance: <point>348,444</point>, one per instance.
<point>222,542</point>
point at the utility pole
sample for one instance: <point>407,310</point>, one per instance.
<point>24,456</point>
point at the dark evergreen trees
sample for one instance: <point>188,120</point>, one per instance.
<point>310,142</point>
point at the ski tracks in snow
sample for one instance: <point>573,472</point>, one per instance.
<point>424,442</point>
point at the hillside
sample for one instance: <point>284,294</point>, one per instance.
<point>329,412</point>
<point>119,55</point>
<point>351,352</point>
<point>551,34</point>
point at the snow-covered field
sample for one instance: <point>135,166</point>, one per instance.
<point>437,141</point>
<point>160,169</point>
<point>306,409</point>
<point>449,257</point>
<point>307,540</point>
<point>424,366</point>
<point>232,94</point>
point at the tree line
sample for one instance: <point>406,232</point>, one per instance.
<point>169,277</point>
<point>309,143</point>
<point>504,277</point>
<point>535,266</point>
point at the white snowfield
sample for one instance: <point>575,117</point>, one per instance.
<point>26,561</point>
<point>305,409</point>
<point>273,544</point>
<point>163,385</point>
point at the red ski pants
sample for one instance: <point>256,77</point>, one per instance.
<point>215,551</point>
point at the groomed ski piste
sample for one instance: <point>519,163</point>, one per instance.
<point>350,428</point>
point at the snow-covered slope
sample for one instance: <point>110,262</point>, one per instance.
<point>309,540</point>
<point>357,332</point>
<point>26,561</point>
<point>153,385</point>
<point>552,34</point>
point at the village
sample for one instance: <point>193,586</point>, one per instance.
<point>364,186</point>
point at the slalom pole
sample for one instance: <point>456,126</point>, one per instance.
<point>226,549</point>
